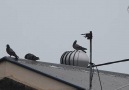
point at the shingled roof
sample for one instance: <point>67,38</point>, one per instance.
<point>75,76</point>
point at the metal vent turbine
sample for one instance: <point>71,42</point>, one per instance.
<point>75,58</point>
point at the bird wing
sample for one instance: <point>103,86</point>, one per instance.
<point>80,47</point>
<point>77,46</point>
<point>11,52</point>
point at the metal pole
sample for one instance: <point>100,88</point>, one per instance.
<point>108,63</point>
<point>91,72</point>
<point>89,36</point>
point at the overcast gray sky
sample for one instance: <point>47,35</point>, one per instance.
<point>47,28</point>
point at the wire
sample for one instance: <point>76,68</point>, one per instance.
<point>99,77</point>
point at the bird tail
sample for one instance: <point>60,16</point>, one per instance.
<point>84,48</point>
<point>84,51</point>
<point>16,57</point>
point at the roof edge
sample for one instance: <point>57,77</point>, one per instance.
<point>12,60</point>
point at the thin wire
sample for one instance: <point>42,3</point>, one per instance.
<point>99,77</point>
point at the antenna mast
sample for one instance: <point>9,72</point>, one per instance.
<point>89,37</point>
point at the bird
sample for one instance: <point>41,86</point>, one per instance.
<point>78,47</point>
<point>11,52</point>
<point>30,56</point>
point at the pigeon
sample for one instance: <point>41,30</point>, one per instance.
<point>78,47</point>
<point>30,56</point>
<point>11,52</point>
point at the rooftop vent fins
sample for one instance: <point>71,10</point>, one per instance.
<point>75,58</point>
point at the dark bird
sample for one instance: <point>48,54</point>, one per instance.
<point>11,52</point>
<point>78,47</point>
<point>30,56</point>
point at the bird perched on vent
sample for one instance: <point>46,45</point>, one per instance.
<point>78,47</point>
<point>11,52</point>
<point>30,56</point>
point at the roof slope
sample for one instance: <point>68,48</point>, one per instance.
<point>75,76</point>
<point>30,65</point>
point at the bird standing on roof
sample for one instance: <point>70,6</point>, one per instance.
<point>30,56</point>
<point>78,47</point>
<point>11,52</point>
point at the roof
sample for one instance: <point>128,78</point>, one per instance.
<point>37,67</point>
<point>75,76</point>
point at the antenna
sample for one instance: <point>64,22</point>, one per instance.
<point>89,37</point>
